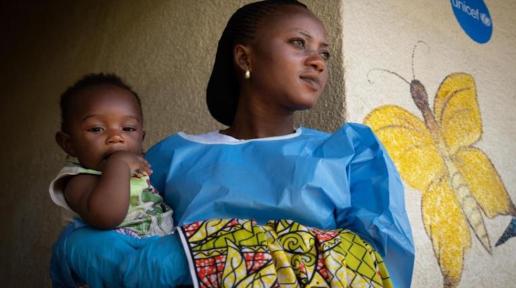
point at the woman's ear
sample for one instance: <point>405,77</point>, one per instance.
<point>64,141</point>
<point>242,57</point>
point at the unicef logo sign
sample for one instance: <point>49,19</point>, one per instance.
<point>485,19</point>
<point>473,16</point>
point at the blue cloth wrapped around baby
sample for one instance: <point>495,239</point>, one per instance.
<point>343,179</point>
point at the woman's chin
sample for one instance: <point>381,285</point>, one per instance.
<point>305,104</point>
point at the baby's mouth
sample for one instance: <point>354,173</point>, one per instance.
<point>109,153</point>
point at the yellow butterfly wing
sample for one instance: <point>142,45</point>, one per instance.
<point>456,110</point>
<point>484,182</point>
<point>448,229</point>
<point>409,144</point>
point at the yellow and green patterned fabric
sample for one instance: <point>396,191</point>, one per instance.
<point>281,253</point>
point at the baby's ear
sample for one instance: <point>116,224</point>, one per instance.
<point>64,141</point>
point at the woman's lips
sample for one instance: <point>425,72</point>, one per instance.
<point>311,81</point>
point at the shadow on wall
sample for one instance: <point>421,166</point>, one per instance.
<point>162,48</point>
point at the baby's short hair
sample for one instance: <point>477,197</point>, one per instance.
<point>86,82</point>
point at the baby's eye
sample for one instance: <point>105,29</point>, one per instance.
<point>299,43</point>
<point>325,55</point>
<point>95,129</point>
<point>129,129</point>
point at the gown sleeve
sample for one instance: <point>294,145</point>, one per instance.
<point>377,206</point>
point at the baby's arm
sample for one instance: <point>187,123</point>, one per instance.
<point>103,200</point>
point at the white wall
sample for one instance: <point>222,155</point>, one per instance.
<point>382,34</point>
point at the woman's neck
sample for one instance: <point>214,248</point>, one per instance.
<point>253,120</point>
<point>250,131</point>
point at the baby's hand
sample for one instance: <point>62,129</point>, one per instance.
<point>138,166</point>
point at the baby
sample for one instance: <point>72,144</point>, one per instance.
<point>108,187</point>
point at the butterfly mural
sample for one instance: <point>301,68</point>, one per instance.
<point>436,155</point>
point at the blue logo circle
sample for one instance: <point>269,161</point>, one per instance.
<point>473,16</point>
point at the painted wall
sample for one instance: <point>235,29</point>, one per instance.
<point>381,35</point>
<point>164,49</point>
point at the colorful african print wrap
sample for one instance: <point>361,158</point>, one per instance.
<point>281,253</point>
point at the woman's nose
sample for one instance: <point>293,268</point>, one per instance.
<point>316,61</point>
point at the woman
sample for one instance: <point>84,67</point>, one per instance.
<point>271,62</point>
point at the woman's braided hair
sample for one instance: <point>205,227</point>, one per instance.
<point>223,86</point>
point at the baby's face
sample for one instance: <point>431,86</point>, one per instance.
<point>105,119</point>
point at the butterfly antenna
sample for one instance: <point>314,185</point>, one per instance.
<point>414,53</point>
<point>388,71</point>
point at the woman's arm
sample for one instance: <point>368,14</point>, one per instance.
<point>377,211</point>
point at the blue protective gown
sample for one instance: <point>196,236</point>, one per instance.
<point>344,179</point>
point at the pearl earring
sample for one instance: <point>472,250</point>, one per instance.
<point>247,74</point>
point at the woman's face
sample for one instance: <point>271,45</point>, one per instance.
<point>288,60</point>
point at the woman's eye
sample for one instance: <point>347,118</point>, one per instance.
<point>325,55</point>
<point>299,43</point>
<point>95,129</point>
